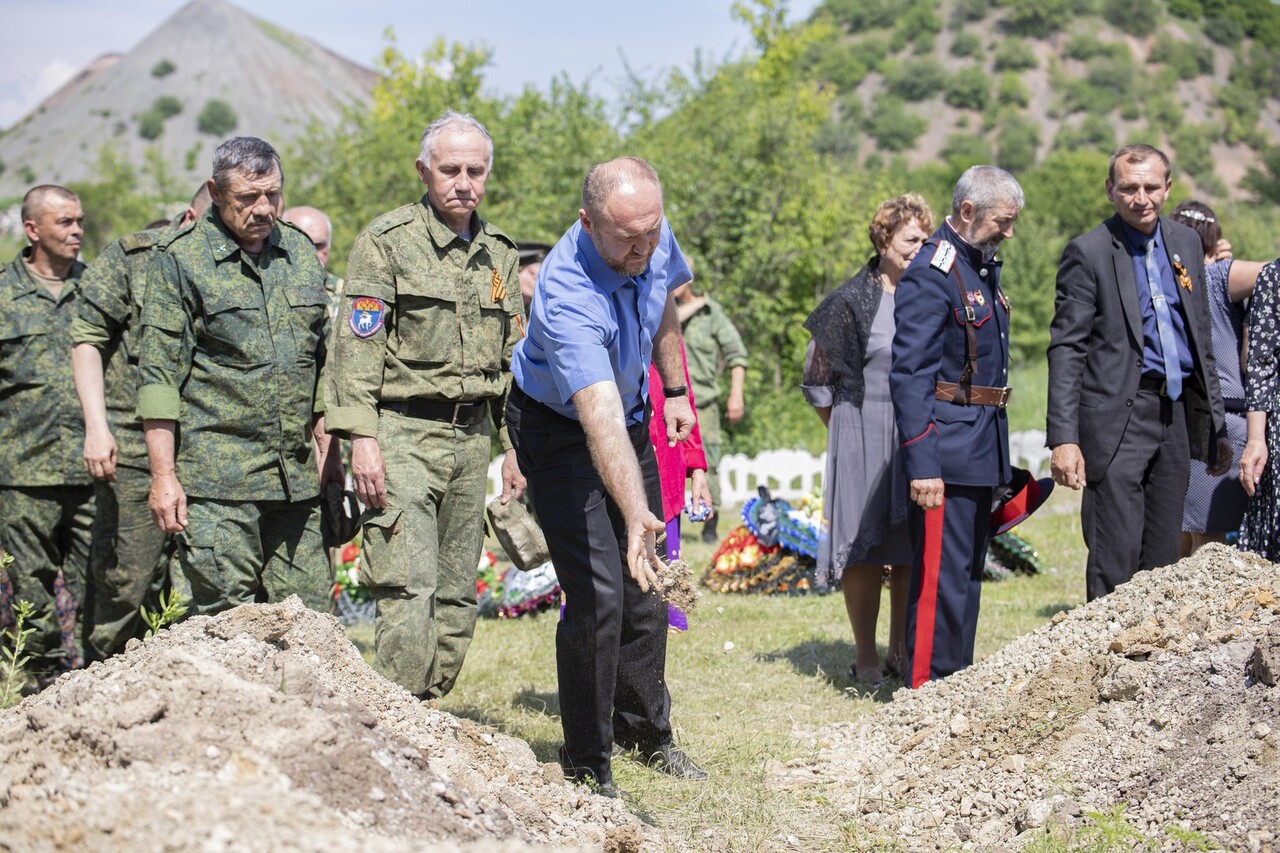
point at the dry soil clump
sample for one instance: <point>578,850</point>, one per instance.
<point>1159,698</point>
<point>262,728</point>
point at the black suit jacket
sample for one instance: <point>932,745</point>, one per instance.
<point>1095,346</point>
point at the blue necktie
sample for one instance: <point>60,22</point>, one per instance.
<point>1164,324</point>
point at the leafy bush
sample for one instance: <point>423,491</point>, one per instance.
<point>1189,9</point>
<point>1039,18</point>
<point>893,127</point>
<point>858,15</point>
<point>1014,55</point>
<point>914,81</point>
<point>968,90</point>
<point>969,10</point>
<point>840,65</point>
<point>1093,132</point>
<point>1013,92</point>
<point>166,106</point>
<point>1188,59</point>
<point>1135,17</point>
<point>963,150</point>
<point>217,118</point>
<point>1165,111</point>
<point>1016,146</point>
<point>1224,31</point>
<point>150,125</point>
<point>966,44</point>
<point>163,68</point>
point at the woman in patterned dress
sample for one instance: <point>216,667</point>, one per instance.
<point>1261,530</point>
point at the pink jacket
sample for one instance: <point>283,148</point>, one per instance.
<point>674,463</point>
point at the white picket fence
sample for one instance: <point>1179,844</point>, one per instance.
<point>792,473</point>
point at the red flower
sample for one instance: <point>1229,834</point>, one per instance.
<point>349,552</point>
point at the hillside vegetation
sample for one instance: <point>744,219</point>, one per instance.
<point>773,164</point>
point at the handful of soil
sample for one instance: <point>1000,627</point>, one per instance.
<point>675,585</point>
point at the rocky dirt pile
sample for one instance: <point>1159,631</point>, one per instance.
<point>262,728</point>
<point>1160,698</point>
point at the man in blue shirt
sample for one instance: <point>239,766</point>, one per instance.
<point>578,418</point>
<point>1133,386</point>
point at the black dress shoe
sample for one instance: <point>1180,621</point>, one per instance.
<point>709,534</point>
<point>673,761</point>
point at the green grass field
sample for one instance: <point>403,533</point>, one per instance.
<point>750,671</point>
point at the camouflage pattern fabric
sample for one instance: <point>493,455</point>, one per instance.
<point>110,318</point>
<point>233,349</point>
<point>453,314</point>
<point>712,448</point>
<point>241,552</point>
<point>421,551</point>
<point>425,315</point>
<point>130,562</point>
<point>333,290</point>
<point>46,502</point>
<point>41,425</point>
<point>710,340</point>
<point>47,529</point>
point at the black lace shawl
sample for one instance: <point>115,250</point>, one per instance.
<point>840,326</point>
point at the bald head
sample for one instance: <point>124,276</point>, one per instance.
<point>622,212</point>
<point>38,199</point>
<point>315,225</point>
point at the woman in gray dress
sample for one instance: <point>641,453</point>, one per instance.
<point>864,524</point>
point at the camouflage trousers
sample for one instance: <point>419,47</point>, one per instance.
<point>709,429</point>
<point>48,529</point>
<point>421,551</point>
<point>129,567</point>
<point>242,552</point>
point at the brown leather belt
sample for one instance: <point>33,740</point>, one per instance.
<point>457,414</point>
<point>972,395</point>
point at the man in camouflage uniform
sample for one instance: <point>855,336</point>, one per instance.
<point>233,344</point>
<point>130,554</point>
<point>46,496</point>
<point>422,358</point>
<point>316,225</point>
<point>710,340</point>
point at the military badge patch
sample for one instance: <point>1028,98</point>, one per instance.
<point>367,316</point>
<point>945,257</point>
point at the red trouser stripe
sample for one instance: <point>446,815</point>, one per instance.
<point>927,605</point>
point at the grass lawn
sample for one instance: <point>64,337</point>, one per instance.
<point>750,671</point>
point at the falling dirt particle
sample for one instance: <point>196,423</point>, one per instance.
<point>675,585</point>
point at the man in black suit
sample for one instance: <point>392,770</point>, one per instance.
<point>1133,388</point>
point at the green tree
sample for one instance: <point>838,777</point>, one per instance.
<point>167,106</point>
<point>969,89</point>
<point>966,44</point>
<point>1014,54</point>
<point>116,201</point>
<point>216,118</point>
<point>1039,18</point>
<point>915,80</point>
<point>150,125</point>
<point>892,126</point>
<point>1013,92</point>
<point>163,68</point>
<point>1017,143</point>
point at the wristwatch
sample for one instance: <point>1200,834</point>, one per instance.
<point>678,391</point>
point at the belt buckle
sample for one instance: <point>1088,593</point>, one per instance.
<point>1003,401</point>
<point>457,407</point>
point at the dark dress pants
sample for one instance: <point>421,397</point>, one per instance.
<point>611,645</point>
<point>1132,516</point>
<point>946,582</point>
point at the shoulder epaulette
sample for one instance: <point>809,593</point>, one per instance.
<point>139,240</point>
<point>393,219</point>
<point>945,256</point>
<point>167,237</point>
<point>489,229</point>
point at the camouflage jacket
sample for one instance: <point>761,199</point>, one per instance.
<point>41,425</point>
<point>233,349</point>
<point>425,315</point>
<point>110,318</point>
<point>710,338</point>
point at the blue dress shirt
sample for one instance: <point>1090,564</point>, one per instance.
<point>1152,352</point>
<point>590,324</point>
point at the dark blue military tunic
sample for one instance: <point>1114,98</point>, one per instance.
<point>966,445</point>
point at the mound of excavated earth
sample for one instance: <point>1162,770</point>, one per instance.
<point>1160,698</point>
<point>262,728</point>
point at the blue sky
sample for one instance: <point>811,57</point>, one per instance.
<point>44,42</point>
